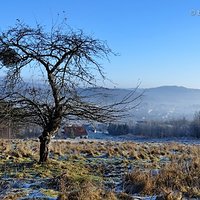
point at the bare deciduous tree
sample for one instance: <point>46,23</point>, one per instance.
<point>66,60</point>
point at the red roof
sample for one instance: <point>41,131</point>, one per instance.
<point>75,131</point>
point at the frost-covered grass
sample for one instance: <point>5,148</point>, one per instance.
<point>109,170</point>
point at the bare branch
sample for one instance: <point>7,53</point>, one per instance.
<point>68,60</point>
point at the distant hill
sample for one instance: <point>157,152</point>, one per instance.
<point>160,103</point>
<point>168,102</point>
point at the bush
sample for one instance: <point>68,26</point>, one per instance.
<point>118,129</point>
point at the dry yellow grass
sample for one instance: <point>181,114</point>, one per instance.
<point>178,167</point>
<point>178,177</point>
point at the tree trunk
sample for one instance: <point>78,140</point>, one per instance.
<point>45,138</point>
<point>44,148</point>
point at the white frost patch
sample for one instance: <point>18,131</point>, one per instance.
<point>144,198</point>
<point>149,111</point>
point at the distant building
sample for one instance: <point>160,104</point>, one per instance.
<point>73,131</point>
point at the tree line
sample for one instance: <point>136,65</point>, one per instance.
<point>159,129</point>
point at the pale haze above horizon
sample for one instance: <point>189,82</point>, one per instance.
<point>157,41</point>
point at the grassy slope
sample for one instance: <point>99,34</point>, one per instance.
<point>83,170</point>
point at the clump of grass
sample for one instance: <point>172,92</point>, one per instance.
<point>180,175</point>
<point>85,188</point>
<point>73,189</point>
<point>134,155</point>
<point>138,182</point>
<point>88,152</point>
<point>170,195</point>
<point>5,146</point>
<point>50,193</point>
<point>124,196</point>
<point>109,196</point>
<point>14,196</point>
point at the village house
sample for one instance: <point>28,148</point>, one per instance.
<point>73,131</point>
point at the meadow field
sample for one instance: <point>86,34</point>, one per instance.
<point>99,170</point>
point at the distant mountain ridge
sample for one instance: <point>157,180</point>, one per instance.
<point>159,103</point>
<point>175,93</point>
<point>173,89</point>
<point>169,102</point>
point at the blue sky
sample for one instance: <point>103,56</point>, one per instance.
<point>158,40</point>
